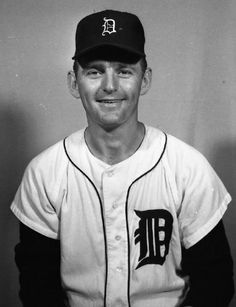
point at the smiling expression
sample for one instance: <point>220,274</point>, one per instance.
<point>110,91</point>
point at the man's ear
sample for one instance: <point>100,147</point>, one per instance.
<point>72,84</point>
<point>146,82</point>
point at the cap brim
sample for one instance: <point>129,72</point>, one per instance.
<point>116,46</point>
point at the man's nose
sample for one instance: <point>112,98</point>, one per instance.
<point>110,82</point>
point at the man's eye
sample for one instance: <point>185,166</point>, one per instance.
<point>93,73</point>
<point>125,72</point>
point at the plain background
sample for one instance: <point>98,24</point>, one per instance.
<point>191,47</point>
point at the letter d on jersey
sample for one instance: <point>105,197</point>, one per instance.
<point>153,235</point>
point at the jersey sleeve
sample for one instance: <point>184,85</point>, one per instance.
<point>203,197</point>
<point>32,204</point>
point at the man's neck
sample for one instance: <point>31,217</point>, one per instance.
<point>115,145</point>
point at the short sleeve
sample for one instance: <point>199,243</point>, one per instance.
<point>32,205</point>
<point>204,199</point>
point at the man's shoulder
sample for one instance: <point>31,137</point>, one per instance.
<point>185,158</point>
<point>182,149</point>
<point>173,144</point>
<point>54,156</point>
<point>176,151</point>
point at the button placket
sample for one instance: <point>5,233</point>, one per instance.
<point>117,271</point>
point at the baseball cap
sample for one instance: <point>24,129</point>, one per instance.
<point>112,28</point>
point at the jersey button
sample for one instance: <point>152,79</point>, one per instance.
<point>110,173</point>
<point>117,238</point>
<point>119,269</point>
<point>115,205</point>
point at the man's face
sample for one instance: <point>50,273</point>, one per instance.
<point>110,90</point>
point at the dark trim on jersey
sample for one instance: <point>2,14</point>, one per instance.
<point>102,215</point>
<point>126,214</point>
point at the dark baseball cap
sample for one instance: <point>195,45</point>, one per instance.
<point>109,28</point>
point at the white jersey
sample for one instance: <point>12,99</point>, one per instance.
<point>121,226</point>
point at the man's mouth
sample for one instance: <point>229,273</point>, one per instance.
<point>109,101</point>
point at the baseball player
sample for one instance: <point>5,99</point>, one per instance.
<point>120,213</point>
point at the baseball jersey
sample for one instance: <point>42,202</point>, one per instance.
<point>121,226</point>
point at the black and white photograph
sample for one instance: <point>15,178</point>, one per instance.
<point>118,153</point>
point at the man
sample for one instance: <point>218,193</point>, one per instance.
<point>120,213</point>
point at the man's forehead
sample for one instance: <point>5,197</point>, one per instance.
<point>103,64</point>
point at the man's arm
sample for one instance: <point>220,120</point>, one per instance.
<point>38,260</point>
<point>208,263</point>
<point>210,268</point>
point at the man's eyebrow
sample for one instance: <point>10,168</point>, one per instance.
<point>125,65</point>
<point>93,65</point>
<point>100,65</point>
